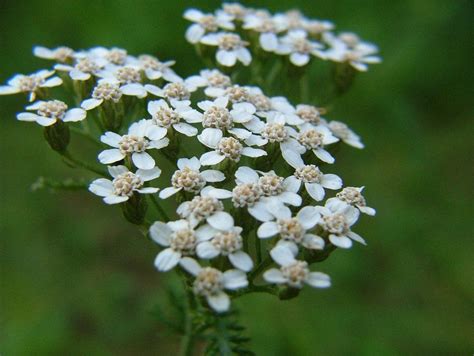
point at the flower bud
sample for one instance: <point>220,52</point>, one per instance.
<point>58,136</point>
<point>134,209</point>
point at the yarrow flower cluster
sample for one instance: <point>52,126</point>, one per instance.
<point>239,33</point>
<point>238,176</point>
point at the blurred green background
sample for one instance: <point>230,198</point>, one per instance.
<point>76,284</point>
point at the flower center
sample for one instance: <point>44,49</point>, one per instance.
<point>219,80</point>
<point>227,242</point>
<point>183,241</point>
<point>63,54</point>
<point>203,207</point>
<point>236,10</point>
<point>107,91</point>
<point>85,65</point>
<point>309,174</point>
<point>149,62</point>
<point>291,229</point>
<point>230,148</point>
<point>29,82</point>
<point>266,25</point>
<point>261,102</point>
<point>340,129</point>
<point>351,196</point>
<point>271,184</point>
<point>208,282</point>
<point>230,42</point>
<point>308,113</point>
<point>132,143</point>
<point>188,179</point>
<point>302,45</point>
<point>275,132</point>
<point>350,39</point>
<point>335,224</point>
<point>117,56</point>
<point>217,117</point>
<point>54,109</point>
<point>209,23</point>
<point>166,117</point>
<point>237,94</point>
<point>176,91</point>
<point>246,194</point>
<point>128,75</point>
<point>296,273</point>
<point>126,183</point>
<point>311,139</point>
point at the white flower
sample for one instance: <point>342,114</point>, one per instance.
<point>84,68</point>
<point>292,272</point>
<point>293,230</point>
<point>141,137</point>
<point>290,20</point>
<point>155,69</point>
<point>124,184</point>
<point>104,91</point>
<point>267,29</point>
<point>30,84</point>
<point>205,23</point>
<point>223,238</point>
<point>314,181</point>
<point>189,178</point>
<point>206,206</point>
<point>337,221</point>
<point>49,112</point>
<point>177,91</point>
<point>210,283</point>
<point>230,48</point>
<point>59,54</point>
<point>236,10</point>
<point>129,78</point>
<point>316,28</point>
<point>179,238</point>
<point>315,138</point>
<point>164,115</point>
<point>352,196</point>
<point>214,81</point>
<point>113,56</point>
<point>258,193</point>
<point>341,130</point>
<point>299,47</point>
<point>224,147</point>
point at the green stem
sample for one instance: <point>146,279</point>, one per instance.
<point>159,208</point>
<point>264,264</point>
<point>74,161</point>
<point>187,342</point>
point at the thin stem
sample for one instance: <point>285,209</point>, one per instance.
<point>186,348</point>
<point>159,208</point>
<point>68,157</point>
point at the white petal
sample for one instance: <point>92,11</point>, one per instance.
<point>194,33</point>
<point>167,259</point>
<point>356,237</point>
<point>6,90</point>
<point>315,190</point>
<point>115,199</point>
<point>185,129</point>
<point>213,175</point>
<point>292,184</point>
<point>340,241</point>
<point>331,181</point>
<point>282,255</point>
<point>292,158</point>
<point>111,138</point>
<point>160,233</point>
<point>148,190</point>
<point>45,121</point>
<point>241,260</point>
<point>167,192</point>
<point>193,163</point>
<point>221,220</point>
<point>260,212</point>
<point>274,275</point>
<point>211,158</point>
<point>335,204</point>
<point>74,115</point>
<point>78,75</point>
<point>28,116</point>
<point>308,217</point>
<point>134,89</point>
<point>313,242</point>
<point>220,302</point>
<point>158,144</point>
<point>240,133</point>
<point>115,171</point>
<point>351,214</point>
<point>216,192</point>
<point>290,198</point>
<point>234,279</point>
<point>268,41</point>
<point>246,175</point>
<point>299,59</point>
<point>253,152</point>
<point>143,160</point>
<point>267,229</point>
<point>101,187</point>
<point>324,155</point>
<point>318,280</point>
<point>226,58</point>
<point>90,104</point>
<point>210,137</point>
<point>148,174</point>
<point>53,82</point>
<point>190,265</point>
<point>367,210</point>
<point>206,250</point>
<point>110,156</point>
<point>243,54</point>
<point>205,233</point>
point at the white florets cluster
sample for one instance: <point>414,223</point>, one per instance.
<point>246,154</point>
<point>237,31</point>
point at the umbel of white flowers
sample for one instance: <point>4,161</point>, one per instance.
<point>252,194</point>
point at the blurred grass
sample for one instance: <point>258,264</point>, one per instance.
<point>74,284</point>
